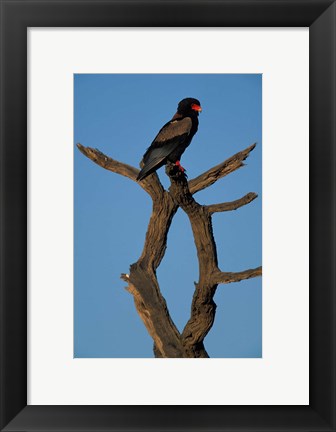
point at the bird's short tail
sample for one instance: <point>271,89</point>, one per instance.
<point>140,176</point>
<point>149,168</point>
<point>143,174</point>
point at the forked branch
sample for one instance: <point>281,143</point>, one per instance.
<point>142,281</point>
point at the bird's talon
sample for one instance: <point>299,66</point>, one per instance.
<point>180,167</point>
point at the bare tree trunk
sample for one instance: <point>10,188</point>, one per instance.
<point>142,280</point>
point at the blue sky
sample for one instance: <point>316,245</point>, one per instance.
<point>120,115</point>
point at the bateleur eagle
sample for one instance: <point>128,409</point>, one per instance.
<point>172,139</point>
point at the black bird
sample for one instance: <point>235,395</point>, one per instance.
<point>172,139</point>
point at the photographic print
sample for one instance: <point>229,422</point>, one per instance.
<point>168,215</point>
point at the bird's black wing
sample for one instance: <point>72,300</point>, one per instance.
<point>173,134</point>
<point>172,130</point>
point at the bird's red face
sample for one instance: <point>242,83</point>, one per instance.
<point>196,107</point>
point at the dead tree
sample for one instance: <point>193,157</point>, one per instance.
<point>142,281</point>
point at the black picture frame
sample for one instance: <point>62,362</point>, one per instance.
<point>16,17</point>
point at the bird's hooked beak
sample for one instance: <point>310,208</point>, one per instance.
<point>196,107</point>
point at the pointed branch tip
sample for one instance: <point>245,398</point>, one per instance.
<point>125,277</point>
<point>219,171</point>
<point>232,205</point>
<point>229,277</point>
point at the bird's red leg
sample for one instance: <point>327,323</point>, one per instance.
<point>180,167</point>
